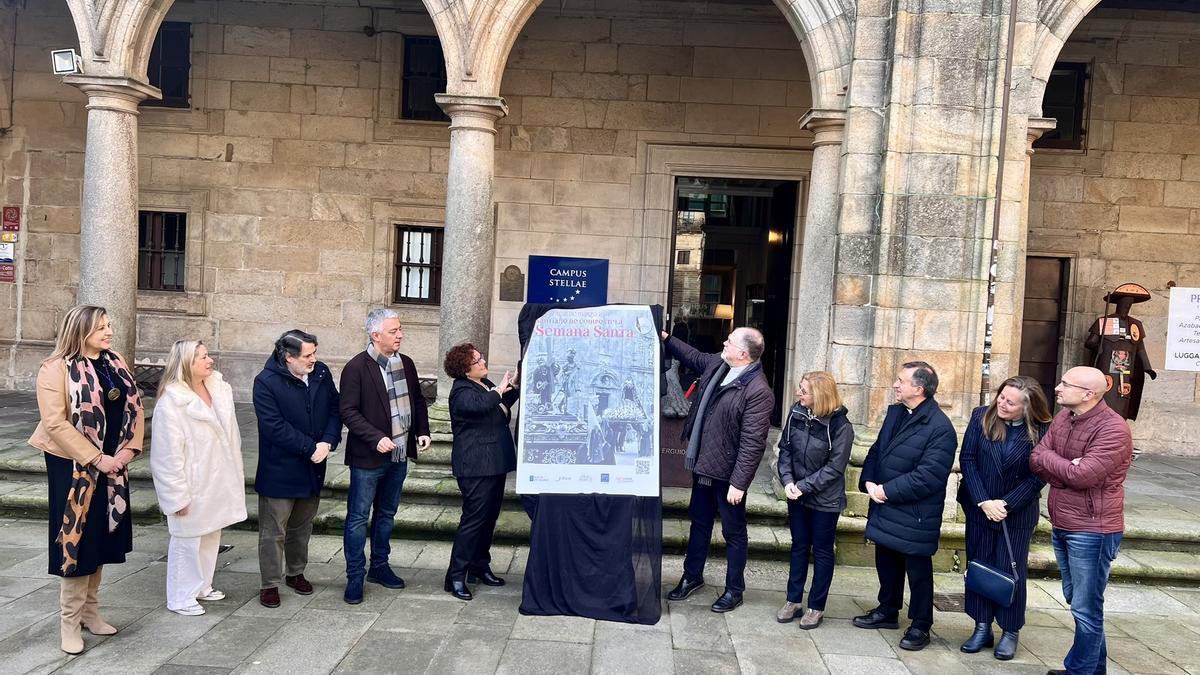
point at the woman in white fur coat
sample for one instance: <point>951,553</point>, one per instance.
<point>196,459</point>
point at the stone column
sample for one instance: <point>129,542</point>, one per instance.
<point>108,228</point>
<point>814,299</point>
<point>469,240</point>
<point>1019,231</point>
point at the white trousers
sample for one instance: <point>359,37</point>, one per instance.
<point>191,562</point>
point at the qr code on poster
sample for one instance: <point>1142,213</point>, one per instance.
<point>642,467</point>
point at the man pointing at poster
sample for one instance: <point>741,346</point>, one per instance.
<point>726,433</point>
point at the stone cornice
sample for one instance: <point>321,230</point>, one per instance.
<point>473,112</point>
<point>122,94</point>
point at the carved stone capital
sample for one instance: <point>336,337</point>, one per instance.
<point>828,126</point>
<point>121,94</point>
<point>479,113</point>
<point>1038,126</point>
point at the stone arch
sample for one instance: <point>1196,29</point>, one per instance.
<point>115,37</point>
<point>477,38</point>
<point>1057,19</point>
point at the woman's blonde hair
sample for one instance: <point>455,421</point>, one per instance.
<point>179,364</point>
<point>1037,409</point>
<point>77,324</point>
<point>825,397</point>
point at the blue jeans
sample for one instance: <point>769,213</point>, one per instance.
<point>378,488</point>
<point>1084,559</point>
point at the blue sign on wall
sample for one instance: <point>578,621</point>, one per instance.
<point>568,280</point>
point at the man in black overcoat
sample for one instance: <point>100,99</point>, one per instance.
<point>905,475</point>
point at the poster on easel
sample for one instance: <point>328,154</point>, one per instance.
<point>590,403</point>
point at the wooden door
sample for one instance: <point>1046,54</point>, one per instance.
<point>1042,322</point>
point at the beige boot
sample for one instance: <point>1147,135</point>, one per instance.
<point>71,596</point>
<point>91,618</point>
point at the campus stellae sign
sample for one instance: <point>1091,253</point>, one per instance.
<point>568,280</point>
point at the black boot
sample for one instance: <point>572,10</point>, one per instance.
<point>1007,647</point>
<point>982,637</point>
<point>458,589</point>
<point>485,577</point>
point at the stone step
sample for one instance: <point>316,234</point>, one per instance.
<point>26,498</point>
<point>430,483</point>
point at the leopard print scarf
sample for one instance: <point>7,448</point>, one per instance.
<point>85,395</point>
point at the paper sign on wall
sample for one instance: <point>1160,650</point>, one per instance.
<point>12,219</point>
<point>1183,330</point>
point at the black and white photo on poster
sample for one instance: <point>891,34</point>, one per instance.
<point>589,420</point>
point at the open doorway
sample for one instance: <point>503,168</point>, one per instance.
<point>731,264</point>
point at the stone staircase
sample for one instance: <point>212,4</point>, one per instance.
<point>1152,551</point>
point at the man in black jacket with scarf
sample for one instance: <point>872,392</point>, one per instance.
<point>726,430</point>
<point>905,474</point>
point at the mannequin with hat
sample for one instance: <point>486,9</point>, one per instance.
<point>1117,342</point>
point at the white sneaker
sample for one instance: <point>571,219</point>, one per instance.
<point>211,595</point>
<point>194,610</point>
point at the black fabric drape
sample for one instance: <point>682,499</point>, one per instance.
<point>598,556</point>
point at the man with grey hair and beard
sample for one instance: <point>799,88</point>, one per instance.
<point>388,421</point>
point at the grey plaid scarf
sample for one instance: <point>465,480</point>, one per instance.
<point>397,387</point>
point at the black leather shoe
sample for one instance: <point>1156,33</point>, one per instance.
<point>914,639</point>
<point>458,589</point>
<point>1007,648</point>
<point>1056,671</point>
<point>486,578</point>
<point>982,637</point>
<point>728,602</point>
<point>684,588</point>
<point>877,618</point>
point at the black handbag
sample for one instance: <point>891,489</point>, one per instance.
<point>994,584</point>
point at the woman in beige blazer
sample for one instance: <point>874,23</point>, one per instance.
<point>91,427</point>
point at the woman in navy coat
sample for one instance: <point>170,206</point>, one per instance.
<point>483,453</point>
<point>298,426</point>
<point>998,487</point>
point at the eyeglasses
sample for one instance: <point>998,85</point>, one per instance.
<point>478,360</point>
<point>1073,386</point>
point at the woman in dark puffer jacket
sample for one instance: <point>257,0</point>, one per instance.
<point>813,453</point>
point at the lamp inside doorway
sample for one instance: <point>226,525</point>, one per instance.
<point>725,313</point>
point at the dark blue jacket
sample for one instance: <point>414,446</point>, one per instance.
<point>911,459</point>
<point>998,470</point>
<point>292,419</point>
<point>483,444</point>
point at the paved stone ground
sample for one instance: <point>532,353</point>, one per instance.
<point>423,630</point>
